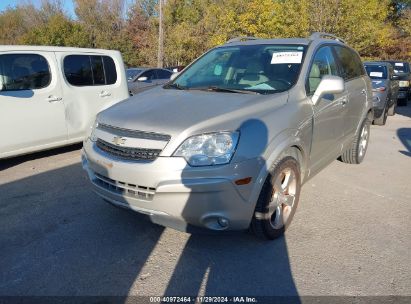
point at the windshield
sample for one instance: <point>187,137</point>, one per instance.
<point>400,67</point>
<point>260,68</point>
<point>376,71</point>
<point>132,73</point>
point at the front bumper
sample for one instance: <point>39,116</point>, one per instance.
<point>404,93</point>
<point>174,194</point>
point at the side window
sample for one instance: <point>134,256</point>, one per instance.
<point>109,70</point>
<point>85,70</point>
<point>351,66</point>
<point>24,72</point>
<point>97,70</point>
<point>323,64</point>
<point>151,74</point>
<point>163,74</point>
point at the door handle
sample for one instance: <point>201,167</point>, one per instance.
<point>364,92</point>
<point>53,98</point>
<point>104,94</point>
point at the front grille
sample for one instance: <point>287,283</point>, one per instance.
<point>133,133</point>
<point>128,153</point>
<point>125,189</point>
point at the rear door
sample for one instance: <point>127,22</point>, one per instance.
<point>32,112</point>
<point>329,112</point>
<point>91,83</point>
<point>353,72</point>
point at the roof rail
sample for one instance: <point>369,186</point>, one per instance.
<point>317,35</point>
<point>238,39</point>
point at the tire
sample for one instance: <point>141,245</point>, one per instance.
<point>392,109</point>
<point>356,153</point>
<point>380,121</point>
<point>278,199</point>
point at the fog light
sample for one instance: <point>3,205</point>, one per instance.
<point>223,222</point>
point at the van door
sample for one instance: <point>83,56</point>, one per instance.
<point>91,83</point>
<point>32,112</point>
<point>329,112</point>
<point>352,70</point>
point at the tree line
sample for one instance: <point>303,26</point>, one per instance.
<point>377,29</point>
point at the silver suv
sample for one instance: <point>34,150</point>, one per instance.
<point>227,144</point>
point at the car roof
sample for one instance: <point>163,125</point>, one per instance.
<point>303,41</point>
<point>51,49</point>
<point>135,69</point>
<point>376,63</point>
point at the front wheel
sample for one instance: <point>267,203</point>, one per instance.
<point>278,199</point>
<point>355,154</point>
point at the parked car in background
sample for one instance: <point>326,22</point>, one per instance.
<point>402,69</point>
<point>176,69</point>
<point>228,143</point>
<point>141,79</point>
<point>384,88</point>
<point>49,96</point>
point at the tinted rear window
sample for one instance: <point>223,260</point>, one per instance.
<point>85,70</point>
<point>351,66</point>
<point>376,71</point>
<point>163,74</point>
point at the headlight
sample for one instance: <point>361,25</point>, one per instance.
<point>208,149</point>
<point>92,133</point>
<point>404,83</point>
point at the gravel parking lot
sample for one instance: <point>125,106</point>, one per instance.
<point>350,235</point>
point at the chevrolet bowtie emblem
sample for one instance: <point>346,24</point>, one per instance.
<point>117,140</point>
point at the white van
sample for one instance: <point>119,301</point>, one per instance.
<point>49,96</point>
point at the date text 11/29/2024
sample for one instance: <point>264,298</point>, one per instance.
<point>203,299</point>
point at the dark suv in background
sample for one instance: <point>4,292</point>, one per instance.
<point>384,89</point>
<point>402,69</point>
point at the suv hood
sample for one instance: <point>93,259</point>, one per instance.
<point>403,76</point>
<point>171,111</point>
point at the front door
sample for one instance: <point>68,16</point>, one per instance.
<point>32,111</point>
<point>329,112</point>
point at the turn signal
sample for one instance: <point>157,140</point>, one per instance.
<point>243,181</point>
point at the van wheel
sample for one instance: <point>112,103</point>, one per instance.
<point>278,199</point>
<point>382,119</point>
<point>391,110</point>
<point>355,154</point>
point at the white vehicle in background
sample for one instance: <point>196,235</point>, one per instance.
<point>49,96</point>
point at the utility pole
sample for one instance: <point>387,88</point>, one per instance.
<point>160,55</point>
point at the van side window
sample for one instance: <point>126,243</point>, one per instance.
<point>24,72</point>
<point>351,66</point>
<point>85,70</point>
<point>323,64</point>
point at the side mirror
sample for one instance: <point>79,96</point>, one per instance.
<point>328,85</point>
<point>143,78</point>
<point>174,75</point>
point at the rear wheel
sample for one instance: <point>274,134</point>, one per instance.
<point>278,199</point>
<point>355,154</point>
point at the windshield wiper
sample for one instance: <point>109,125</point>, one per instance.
<point>220,89</point>
<point>174,86</point>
